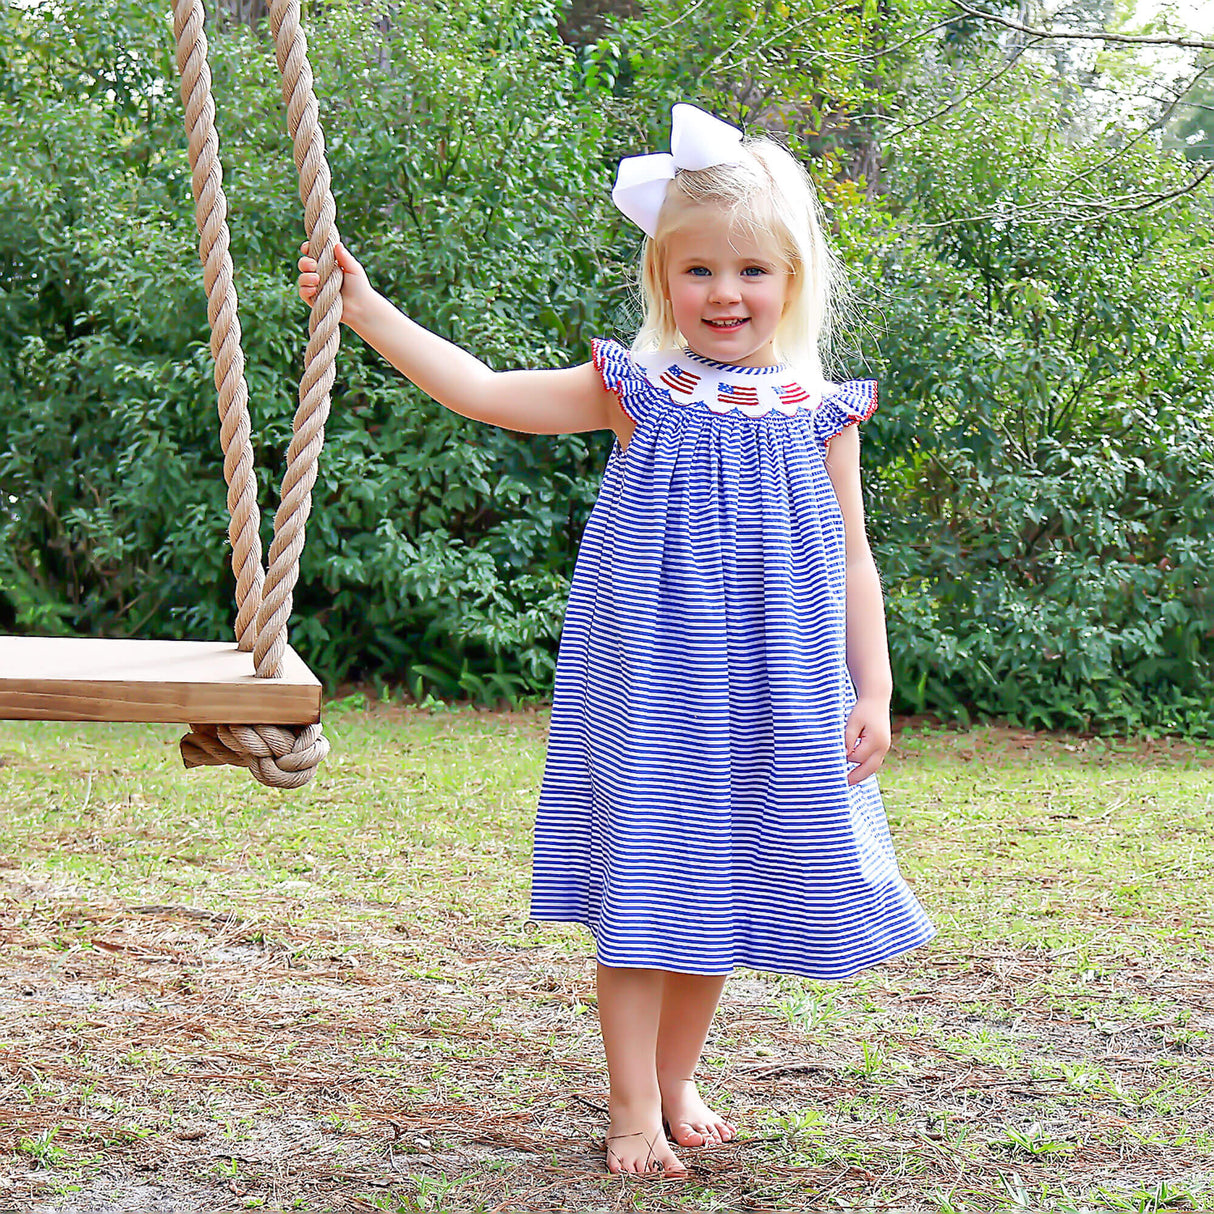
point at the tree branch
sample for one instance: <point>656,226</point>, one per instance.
<point>952,105</point>
<point>1155,124</point>
<point>1084,36</point>
<point>1072,210</point>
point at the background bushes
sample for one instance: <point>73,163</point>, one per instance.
<point>1040,473</point>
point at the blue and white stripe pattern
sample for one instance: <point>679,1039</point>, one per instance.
<point>695,812</point>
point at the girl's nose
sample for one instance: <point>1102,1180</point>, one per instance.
<point>724,289</point>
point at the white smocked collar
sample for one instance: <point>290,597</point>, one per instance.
<point>690,378</point>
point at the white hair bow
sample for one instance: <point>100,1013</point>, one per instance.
<point>697,141</point>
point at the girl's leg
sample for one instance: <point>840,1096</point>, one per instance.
<point>688,1004</point>
<point>630,1007</point>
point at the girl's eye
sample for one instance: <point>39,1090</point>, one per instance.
<point>754,271</point>
<point>699,271</point>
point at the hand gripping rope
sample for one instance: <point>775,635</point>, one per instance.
<point>280,756</point>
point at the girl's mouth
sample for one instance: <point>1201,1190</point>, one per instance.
<point>734,322</point>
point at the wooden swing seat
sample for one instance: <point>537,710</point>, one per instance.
<point>211,685</point>
<point>179,682</point>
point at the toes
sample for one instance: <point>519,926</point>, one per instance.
<point>686,1134</point>
<point>706,1133</point>
<point>702,1133</point>
<point>642,1156</point>
<point>672,1165</point>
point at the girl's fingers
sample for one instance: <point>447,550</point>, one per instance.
<point>867,758</point>
<point>309,276</point>
<point>338,249</point>
<point>858,774</point>
<point>344,257</point>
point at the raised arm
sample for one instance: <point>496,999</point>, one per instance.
<point>535,402</point>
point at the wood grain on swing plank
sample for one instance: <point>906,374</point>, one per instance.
<point>194,682</point>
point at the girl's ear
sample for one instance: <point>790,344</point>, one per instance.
<point>791,288</point>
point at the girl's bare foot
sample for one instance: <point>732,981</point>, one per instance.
<point>692,1123</point>
<point>637,1145</point>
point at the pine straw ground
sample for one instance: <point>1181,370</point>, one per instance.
<point>214,997</point>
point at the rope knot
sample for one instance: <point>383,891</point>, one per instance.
<point>278,756</point>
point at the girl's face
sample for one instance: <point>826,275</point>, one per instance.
<point>727,290</point>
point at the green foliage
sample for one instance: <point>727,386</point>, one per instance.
<point>1043,472</point>
<point>809,71</point>
<point>468,174</point>
<point>1040,473</point>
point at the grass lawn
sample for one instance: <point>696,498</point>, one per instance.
<point>216,997</point>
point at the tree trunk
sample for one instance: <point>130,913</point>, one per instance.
<point>245,12</point>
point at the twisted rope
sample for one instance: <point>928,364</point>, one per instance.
<point>291,47</point>
<point>210,210</point>
<point>278,756</point>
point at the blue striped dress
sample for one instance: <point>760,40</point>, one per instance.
<point>695,813</point>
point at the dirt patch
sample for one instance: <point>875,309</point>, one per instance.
<point>119,1195</point>
<point>329,1002</point>
<point>159,1060</point>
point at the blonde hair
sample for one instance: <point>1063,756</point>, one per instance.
<point>767,196</point>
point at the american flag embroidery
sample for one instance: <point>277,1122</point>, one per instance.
<point>678,380</point>
<point>791,394</point>
<point>737,394</point>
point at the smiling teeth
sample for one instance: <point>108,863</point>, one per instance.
<point>726,324</point>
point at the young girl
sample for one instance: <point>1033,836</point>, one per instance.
<point>723,684</point>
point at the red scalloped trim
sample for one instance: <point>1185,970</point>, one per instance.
<point>855,421</point>
<point>599,358</point>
